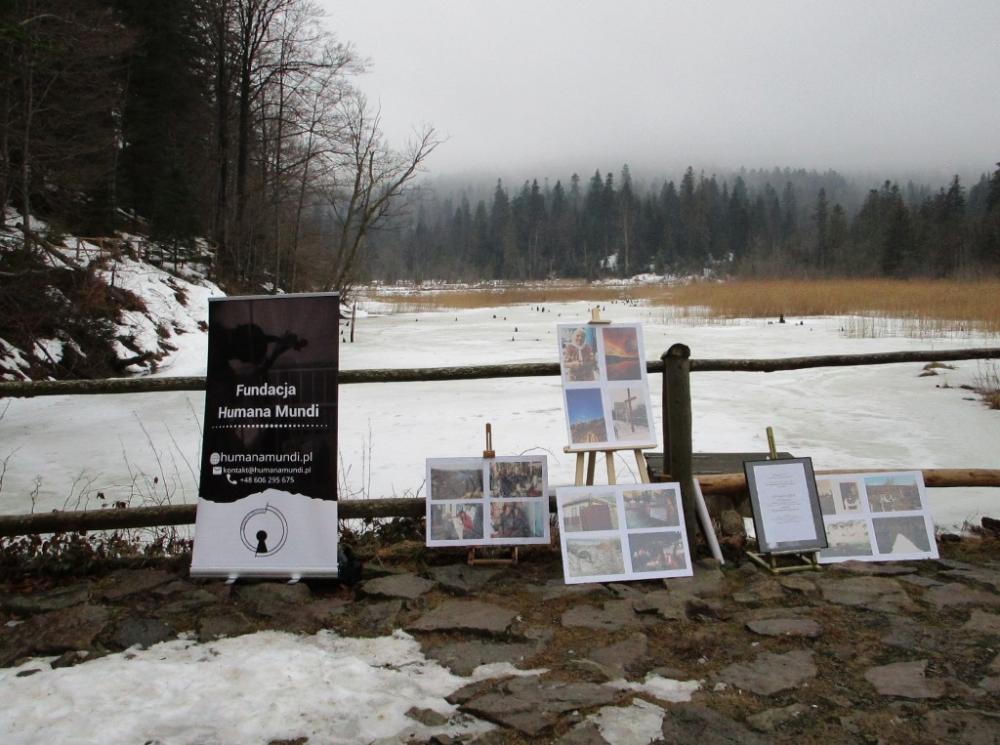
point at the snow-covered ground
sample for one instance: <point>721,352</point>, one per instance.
<point>271,686</point>
<point>66,450</point>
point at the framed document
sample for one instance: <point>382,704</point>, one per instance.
<point>786,510</point>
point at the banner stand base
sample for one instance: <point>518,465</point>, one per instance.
<point>807,562</point>
<point>288,575</point>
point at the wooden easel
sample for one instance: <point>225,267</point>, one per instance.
<point>472,559</point>
<point>609,453</point>
<point>609,461</point>
<point>801,561</point>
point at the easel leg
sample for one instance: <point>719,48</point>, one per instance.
<point>579,469</point>
<point>640,462</point>
<point>609,460</point>
<point>591,462</point>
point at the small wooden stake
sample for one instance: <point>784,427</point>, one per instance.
<point>489,452</point>
<point>595,315</point>
<point>770,444</point>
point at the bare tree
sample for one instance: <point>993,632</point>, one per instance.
<point>364,186</point>
<point>298,112</point>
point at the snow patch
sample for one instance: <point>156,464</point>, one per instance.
<point>50,349</point>
<point>665,689</point>
<point>250,689</point>
<point>638,724</point>
<point>12,360</point>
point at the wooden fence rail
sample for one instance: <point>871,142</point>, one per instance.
<point>28,389</point>
<point>676,366</point>
<point>722,484</point>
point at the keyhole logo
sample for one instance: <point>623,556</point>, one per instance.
<point>264,531</point>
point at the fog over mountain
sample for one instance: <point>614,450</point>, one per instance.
<point>900,88</point>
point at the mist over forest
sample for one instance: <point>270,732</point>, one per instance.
<point>755,223</point>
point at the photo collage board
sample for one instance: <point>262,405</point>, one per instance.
<point>622,532</point>
<point>876,517</point>
<point>605,387</point>
<point>487,501</point>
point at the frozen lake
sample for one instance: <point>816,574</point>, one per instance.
<point>66,451</point>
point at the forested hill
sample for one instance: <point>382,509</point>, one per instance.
<point>239,121</point>
<point>751,223</point>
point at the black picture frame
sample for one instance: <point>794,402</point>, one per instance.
<point>809,500</point>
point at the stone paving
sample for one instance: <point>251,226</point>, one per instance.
<point>855,653</point>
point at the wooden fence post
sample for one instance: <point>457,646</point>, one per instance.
<point>665,418</point>
<point>677,450</point>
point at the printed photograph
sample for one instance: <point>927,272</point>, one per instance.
<point>586,415</point>
<point>518,519</point>
<point>657,552</point>
<point>629,414</point>
<point>850,501</point>
<point>893,493</point>
<point>595,511</point>
<point>456,522</point>
<point>522,478</point>
<point>578,353</point>
<point>594,557</point>
<point>848,538</point>
<point>651,508</point>
<point>901,535</point>
<point>825,489</point>
<point>456,483</point>
<point>621,353</point>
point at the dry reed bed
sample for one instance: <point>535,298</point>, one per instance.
<point>924,306</point>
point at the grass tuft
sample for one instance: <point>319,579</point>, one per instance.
<point>869,307</point>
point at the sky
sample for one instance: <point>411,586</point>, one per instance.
<point>547,88</point>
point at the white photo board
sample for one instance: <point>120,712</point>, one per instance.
<point>605,386</point>
<point>622,532</point>
<point>487,501</point>
<point>876,517</point>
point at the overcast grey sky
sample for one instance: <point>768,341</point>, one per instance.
<point>545,87</point>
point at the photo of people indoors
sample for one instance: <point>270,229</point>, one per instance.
<point>578,347</point>
<point>516,479</point>
<point>516,520</point>
<point>456,522</point>
<point>656,552</point>
<point>464,483</point>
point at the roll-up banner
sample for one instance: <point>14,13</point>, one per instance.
<point>267,501</point>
